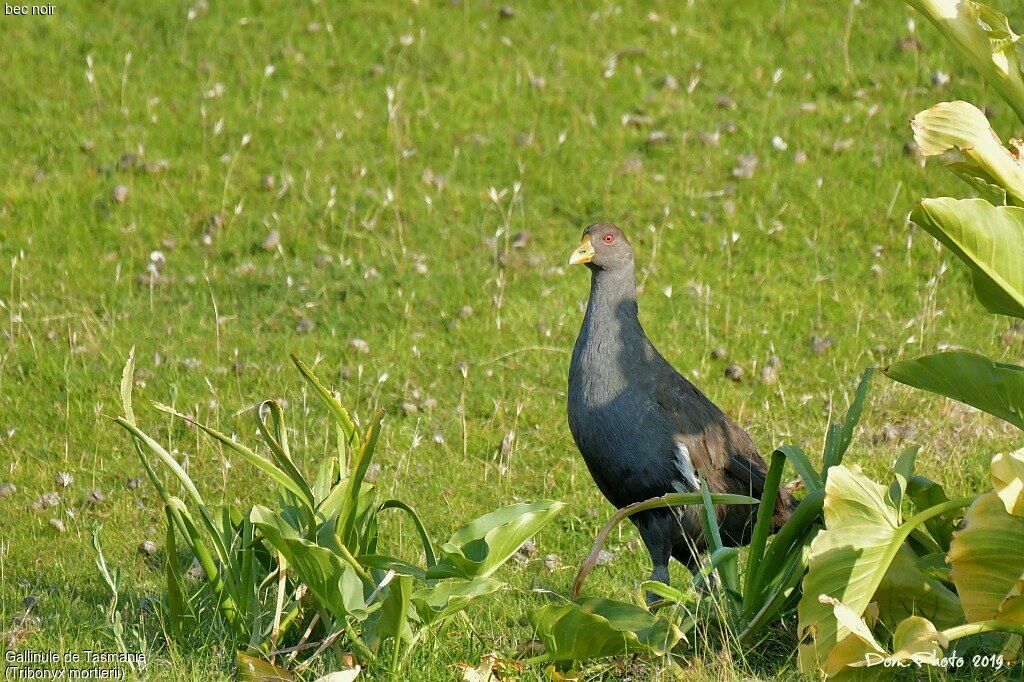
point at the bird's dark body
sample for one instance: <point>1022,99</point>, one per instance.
<point>644,430</point>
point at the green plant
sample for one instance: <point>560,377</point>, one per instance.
<point>889,556</point>
<point>758,588</point>
<point>222,541</point>
<point>310,565</point>
<point>905,556</point>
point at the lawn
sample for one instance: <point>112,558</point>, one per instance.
<point>390,190</point>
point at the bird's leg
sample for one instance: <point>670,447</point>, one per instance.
<point>688,554</point>
<point>657,539</point>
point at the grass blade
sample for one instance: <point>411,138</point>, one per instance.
<point>840,434</point>
<point>281,456</point>
<point>762,527</point>
<point>262,463</point>
<point>428,549</point>
<point>709,520</point>
<point>165,457</point>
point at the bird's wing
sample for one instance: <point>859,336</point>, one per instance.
<point>721,452</point>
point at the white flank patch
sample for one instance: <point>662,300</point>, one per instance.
<point>687,466</point>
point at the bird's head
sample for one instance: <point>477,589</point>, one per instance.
<point>603,247</point>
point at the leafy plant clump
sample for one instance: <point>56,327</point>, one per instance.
<point>303,576</point>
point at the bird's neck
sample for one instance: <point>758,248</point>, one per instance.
<point>609,354</point>
<point>612,305</point>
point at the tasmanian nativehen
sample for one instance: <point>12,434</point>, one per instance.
<point>642,428</point>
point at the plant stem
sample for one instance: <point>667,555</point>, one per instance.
<point>669,500</point>
<point>983,626</point>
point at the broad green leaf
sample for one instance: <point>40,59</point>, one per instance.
<point>252,669</point>
<point>331,579</point>
<point>384,563</point>
<point>907,591</point>
<point>990,242</point>
<point>1007,473</point>
<point>850,558</point>
<point>480,547</point>
<point>990,386</point>
<point>983,36</point>
<point>975,176</point>
<point>965,128</point>
<point>935,566</point>
<point>393,622</point>
<point>447,598</point>
<point>926,493</point>
<point>598,628</point>
<point>987,556</point>
<point>922,493</point>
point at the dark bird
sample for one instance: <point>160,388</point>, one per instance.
<point>642,428</point>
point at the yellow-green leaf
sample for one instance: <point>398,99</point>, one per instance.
<point>987,556</point>
<point>1007,473</point>
<point>983,36</point>
<point>964,127</point>
<point>916,639</point>
<point>857,647</point>
<point>988,239</point>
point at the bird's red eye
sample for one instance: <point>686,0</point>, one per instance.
<point>609,238</point>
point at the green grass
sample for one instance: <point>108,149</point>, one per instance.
<point>756,266</point>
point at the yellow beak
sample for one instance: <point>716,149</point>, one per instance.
<point>584,253</point>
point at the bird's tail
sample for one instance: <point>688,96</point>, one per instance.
<point>785,503</point>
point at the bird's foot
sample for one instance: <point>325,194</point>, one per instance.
<point>705,584</point>
<point>659,575</point>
